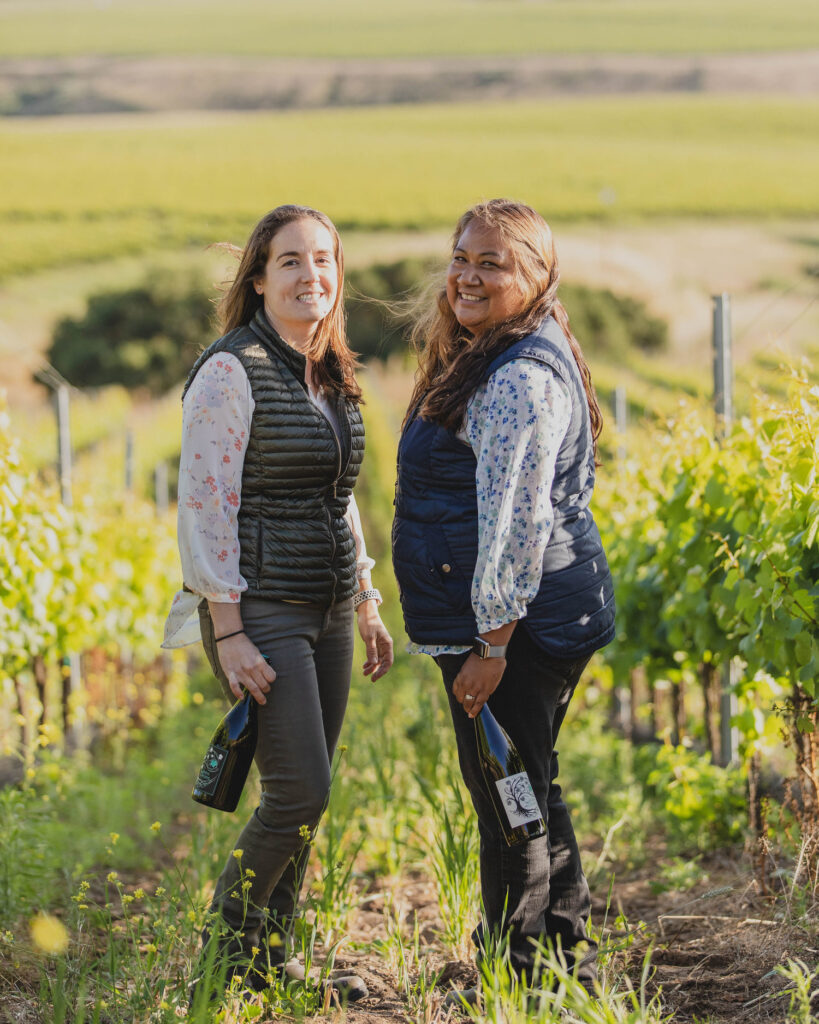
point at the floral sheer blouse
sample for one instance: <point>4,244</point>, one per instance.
<point>216,417</point>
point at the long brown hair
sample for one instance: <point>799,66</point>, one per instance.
<point>450,361</point>
<point>334,364</point>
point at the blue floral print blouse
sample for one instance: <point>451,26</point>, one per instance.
<point>515,424</point>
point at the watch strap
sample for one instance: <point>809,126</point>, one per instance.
<point>486,650</point>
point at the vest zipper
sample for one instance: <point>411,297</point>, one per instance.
<point>337,441</point>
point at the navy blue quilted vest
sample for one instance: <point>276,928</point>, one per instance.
<point>435,530</point>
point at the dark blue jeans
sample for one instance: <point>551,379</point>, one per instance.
<point>536,890</point>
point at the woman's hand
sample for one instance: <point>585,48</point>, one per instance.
<point>245,666</point>
<point>477,680</point>
<point>377,640</point>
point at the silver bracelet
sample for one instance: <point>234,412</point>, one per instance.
<point>366,595</point>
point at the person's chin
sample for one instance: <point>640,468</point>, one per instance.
<point>469,322</point>
<point>314,312</point>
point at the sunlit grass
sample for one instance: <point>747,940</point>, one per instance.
<point>341,28</point>
<point>132,185</point>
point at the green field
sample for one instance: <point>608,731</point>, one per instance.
<point>359,28</point>
<point>73,190</point>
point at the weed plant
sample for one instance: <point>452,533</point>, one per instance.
<point>454,857</point>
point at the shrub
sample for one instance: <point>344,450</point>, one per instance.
<point>374,333</point>
<point>147,336</point>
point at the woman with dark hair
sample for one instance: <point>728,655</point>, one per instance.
<point>273,556</point>
<point>502,575</point>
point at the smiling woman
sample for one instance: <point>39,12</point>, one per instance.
<point>274,562</point>
<point>502,575</point>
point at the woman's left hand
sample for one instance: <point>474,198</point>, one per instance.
<point>377,640</point>
<point>477,681</point>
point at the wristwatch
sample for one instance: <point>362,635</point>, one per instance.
<point>485,650</point>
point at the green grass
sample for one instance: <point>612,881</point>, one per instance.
<point>359,28</point>
<point>71,191</point>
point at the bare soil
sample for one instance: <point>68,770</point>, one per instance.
<point>92,85</point>
<point>714,948</point>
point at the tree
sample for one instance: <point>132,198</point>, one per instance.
<point>147,336</point>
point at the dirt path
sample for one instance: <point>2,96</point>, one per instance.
<point>715,947</point>
<point>88,85</point>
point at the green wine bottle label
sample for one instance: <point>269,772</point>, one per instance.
<point>518,799</point>
<point>208,778</point>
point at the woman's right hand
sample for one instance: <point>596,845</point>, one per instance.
<point>245,666</point>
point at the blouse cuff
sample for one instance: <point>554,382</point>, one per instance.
<point>516,612</point>
<point>363,569</point>
<point>232,596</point>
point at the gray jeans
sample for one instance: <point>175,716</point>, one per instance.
<point>311,651</point>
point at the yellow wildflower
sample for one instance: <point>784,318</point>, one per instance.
<point>238,854</point>
<point>113,876</point>
<point>49,934</point>
<point>157,825</point>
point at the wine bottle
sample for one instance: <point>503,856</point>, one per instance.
<point>227,762</point>
<point>507,781</point>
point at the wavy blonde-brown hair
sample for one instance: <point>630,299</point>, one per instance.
<point>450,361</point>
<point>334,364</point>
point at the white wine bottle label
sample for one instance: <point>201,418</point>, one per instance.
<point>210,771</point>
<point>518,799</point>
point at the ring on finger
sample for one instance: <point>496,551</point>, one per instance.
<point>468,696</point>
